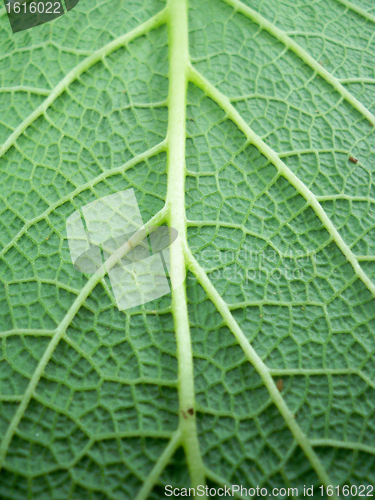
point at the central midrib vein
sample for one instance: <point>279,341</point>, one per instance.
<point>179,62</point>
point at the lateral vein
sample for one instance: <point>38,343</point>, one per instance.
<point>153,23</point>
<point>159,148</point>
<point>201,82</point>
<point>302,54</point>
<point>61,329</point>
<point>259,365</point>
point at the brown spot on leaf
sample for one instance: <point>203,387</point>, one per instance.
<point>190,411</point>
<point>280,384</point>
<point>352,159</point>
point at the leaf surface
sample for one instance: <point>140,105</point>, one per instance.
<point>248,127</point>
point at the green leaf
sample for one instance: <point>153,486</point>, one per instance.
<point>248,127</point>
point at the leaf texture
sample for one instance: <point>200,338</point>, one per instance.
<point>249,127</point>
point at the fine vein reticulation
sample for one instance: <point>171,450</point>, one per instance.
<point>182,73</point>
